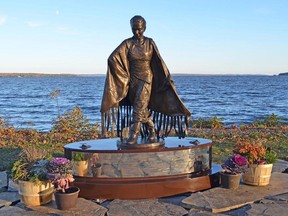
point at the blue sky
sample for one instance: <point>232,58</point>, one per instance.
<point>196,36</point>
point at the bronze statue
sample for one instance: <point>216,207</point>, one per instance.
<point>138,78</point>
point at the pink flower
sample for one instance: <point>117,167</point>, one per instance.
<point>239,160</point>
<point>235,164</point>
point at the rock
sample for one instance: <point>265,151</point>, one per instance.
<point>260,209</point>
<point>220,199</point>
<point>268,209</point>
<point>176,200</point>
<point>3,183</point>
<point>84,207</point>
<point>280,166</point>
<point>16,211</point>
<point>143,207</point>
<point>3,179</point>
<point>7,198</point>
<point>279,198</point>
<point>197,212</point>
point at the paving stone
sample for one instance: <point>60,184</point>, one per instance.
<point>261,209</point>
<point>197,212</point>
<point>3,179</point>
<point>7,198</point>
<point>281,197</point>
<point>13,186</point>
<point>176,200</point>
<point>280,166</point>
<point>15,211</point>
<point>143,207</point>
<point>3,182</point>
<point>268,210</point>
<point>84,207</point>
<point>220,199</point>
<point>239,211</point>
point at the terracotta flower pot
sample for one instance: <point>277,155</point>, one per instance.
<point>230,181</point>
<point>67,200</point>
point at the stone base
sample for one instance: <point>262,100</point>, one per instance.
<point>144,170</point>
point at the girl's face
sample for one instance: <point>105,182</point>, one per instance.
<point>138,29</point>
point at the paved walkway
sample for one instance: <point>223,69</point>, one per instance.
<point>247,200</point>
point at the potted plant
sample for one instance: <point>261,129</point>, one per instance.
<point>80,163</point>
<point>60,173</point>
<point>233,167</point>
<point>260,162</point>
<point>29,172</point>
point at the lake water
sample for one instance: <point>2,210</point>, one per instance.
<point>26,102</point>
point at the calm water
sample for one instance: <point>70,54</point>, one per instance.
<point>26,102</point>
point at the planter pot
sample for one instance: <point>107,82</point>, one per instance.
<point>35,194</point>
<point>258,175</point>
<point>67,200</point>
<point>230,181</point>
<point>80,168</point>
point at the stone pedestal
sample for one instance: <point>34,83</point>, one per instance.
<point>178,166</point>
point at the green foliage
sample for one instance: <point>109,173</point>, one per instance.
<point>3,123</point>
<point>31,165</point>
<point>270,121</point>
<point>73,126</point>
<point>270,156</point>
<point>212,123</point>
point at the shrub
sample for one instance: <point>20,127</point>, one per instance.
<point>73,126</point>
<point>269,121</point>
<point>212,123</point>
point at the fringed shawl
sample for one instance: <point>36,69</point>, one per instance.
<point>167,110</point>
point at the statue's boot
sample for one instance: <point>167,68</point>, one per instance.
<point>151,130</point>
<point>133,134</point>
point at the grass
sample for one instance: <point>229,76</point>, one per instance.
<point>7,156</point>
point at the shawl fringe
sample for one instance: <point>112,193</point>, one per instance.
<point>118,118</point>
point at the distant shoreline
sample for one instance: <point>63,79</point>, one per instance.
<point>36,75</point>
<point>20,75</point>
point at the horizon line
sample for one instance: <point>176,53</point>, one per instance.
<point>27,74</point>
